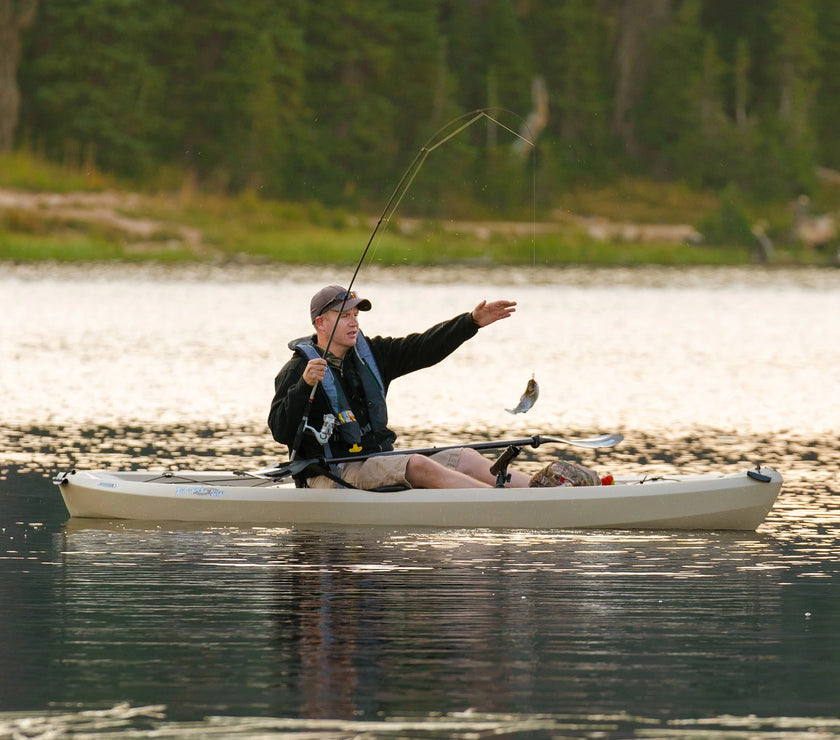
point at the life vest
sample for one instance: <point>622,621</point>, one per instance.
<point>348,434</point>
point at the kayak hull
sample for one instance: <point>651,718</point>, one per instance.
<point>735,501</point>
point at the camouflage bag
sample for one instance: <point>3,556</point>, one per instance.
<point>562,473</point>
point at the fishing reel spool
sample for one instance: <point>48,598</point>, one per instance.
<point>323,435</point>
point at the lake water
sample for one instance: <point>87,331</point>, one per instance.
<point>112,629</point>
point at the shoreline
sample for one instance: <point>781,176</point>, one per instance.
<point>502,277</point>
<point>127,227</point>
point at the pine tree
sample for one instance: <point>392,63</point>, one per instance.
<point>93,81</point>
<point>349,53</point>
<point>681,97</point>
<point>797,61</point>
<point>571,49</point>
<point>827,94</point>
<point>235,73</point>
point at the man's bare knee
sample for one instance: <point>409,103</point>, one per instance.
<point>474,464</point>
<point>419,471</point>
<point>422,472</point>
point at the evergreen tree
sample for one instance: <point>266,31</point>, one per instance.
<point>93,81</point>
<point>350,53</point>
<point>741,82</point>
<point>827,95</point>
<point>571,47</point>
<point>461,25</point>
<point>742,28</point>
<point>273,109</point>
<point>331,99</point>
<point>509,66</point>
<point>413,78</point>
<point>636,22</point>
<point>796,62</point>
<point>234,89</point>
<point>679,87</point>
<point>794,24</point>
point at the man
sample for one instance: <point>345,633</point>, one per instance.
<point>352,382</point>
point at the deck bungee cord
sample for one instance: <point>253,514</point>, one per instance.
<point>438,139</point>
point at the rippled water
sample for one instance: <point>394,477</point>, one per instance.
<point>113,629</point>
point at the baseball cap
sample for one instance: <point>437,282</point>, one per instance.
<point>332,297</point>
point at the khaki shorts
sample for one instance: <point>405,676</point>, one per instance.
<point>386,470</point>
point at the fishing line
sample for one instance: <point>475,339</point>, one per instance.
<point>532,389</point>
<point>438,139</point>
<point>534,240</point>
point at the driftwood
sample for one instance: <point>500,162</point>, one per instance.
<point>537,119</point>
<point>812,231</point>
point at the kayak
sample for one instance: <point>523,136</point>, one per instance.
<point>738,501</point>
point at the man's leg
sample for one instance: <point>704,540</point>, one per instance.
<point>475,465</point>
<point>423,472</point>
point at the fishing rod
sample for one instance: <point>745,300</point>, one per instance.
<point>437,140</point>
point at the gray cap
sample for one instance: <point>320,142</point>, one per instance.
<point>332,297</point>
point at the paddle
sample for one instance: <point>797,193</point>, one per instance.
<point>294,467</point>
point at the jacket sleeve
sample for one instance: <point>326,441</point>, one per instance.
<point>291,395</point>
<point>404,355</point>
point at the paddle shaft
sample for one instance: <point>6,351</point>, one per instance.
<point>534,441</point>
<point>605,440</point>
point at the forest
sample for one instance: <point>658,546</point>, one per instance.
<point>330,101</point>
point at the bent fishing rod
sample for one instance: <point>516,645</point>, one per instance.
<point>438,139</point>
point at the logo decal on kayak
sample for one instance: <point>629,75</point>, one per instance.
<point>198,491</point>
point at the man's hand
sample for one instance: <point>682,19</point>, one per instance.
<point>314,371</point>
<point>486,313</point>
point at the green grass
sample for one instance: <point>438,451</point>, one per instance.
<point>27,248</point>
<point>81,248</point>
<point>27,172</point>
<point>641,201</point>
<point>246,227</point>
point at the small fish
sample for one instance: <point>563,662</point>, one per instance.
<point>529,398</point>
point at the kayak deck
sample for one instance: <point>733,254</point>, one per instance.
<point>711,501</point>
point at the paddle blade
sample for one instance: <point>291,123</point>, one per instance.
<point>284,470</point>
<point>602,440</point>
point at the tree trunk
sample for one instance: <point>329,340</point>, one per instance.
<point>15,16</point>
<point>636,21</point>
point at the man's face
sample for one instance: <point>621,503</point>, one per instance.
<point>346,332</point>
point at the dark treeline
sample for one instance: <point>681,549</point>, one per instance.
<point>331,100</point>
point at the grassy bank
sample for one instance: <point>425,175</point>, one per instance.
<point>49,213</point>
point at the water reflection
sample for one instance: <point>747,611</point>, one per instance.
<point>126,721</point>
<point>361,622</point>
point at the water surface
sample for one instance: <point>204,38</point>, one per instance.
<point>214,630</point>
